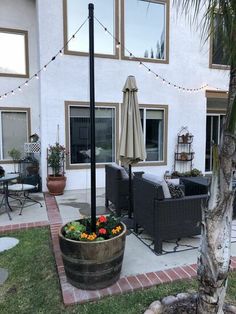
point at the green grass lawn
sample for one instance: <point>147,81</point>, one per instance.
<point>33,285</point>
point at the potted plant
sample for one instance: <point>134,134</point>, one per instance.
<point>56,180</point>
<point>15,154</point>
<point>93,259</point>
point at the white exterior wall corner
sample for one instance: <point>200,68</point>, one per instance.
<point>21,14</point>
<point>67,78</point>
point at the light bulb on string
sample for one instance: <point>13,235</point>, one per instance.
<point>45,68</point>
<point>19,89</point>
<point>26,83</point>
<point>36,76</point>
<point>118,45</point>
<point>60,53</point>
<point>12,92</point>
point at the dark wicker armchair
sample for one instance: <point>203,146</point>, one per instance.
<point>117,188</point>
<point>165,219</point>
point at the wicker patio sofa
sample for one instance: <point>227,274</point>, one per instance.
<point>162,218</point>
<point>116,188</point>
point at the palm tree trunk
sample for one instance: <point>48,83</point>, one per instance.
<point>215,248</point>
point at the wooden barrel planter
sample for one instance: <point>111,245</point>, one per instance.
<point>93,265</point>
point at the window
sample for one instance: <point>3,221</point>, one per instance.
<point>79,130</point>
<point>154,129</point>
<point>213,132</point>
<point>13,53</point>
<point>76,12</point>
<point>145,30</point>
<point>219,56</point>
<point>14,130</point>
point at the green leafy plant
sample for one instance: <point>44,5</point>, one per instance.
<point>56,159</point>
<point>107,227</point>
<point>15,154</point>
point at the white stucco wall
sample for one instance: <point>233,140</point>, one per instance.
<point>67,79</point>
<point>21,14</point>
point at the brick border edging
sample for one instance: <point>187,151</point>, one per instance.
<point>23,226</point>
<point>72,295</point>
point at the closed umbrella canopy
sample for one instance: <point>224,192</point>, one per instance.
<point>132,141</point>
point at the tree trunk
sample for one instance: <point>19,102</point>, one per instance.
<point>215,247</point>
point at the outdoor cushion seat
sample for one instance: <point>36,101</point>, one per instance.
<point>165,218</point>
<point>116,187</point>
<point>20,192</point>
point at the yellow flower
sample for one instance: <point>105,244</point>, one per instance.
<point>84,235</point>
<point>113,231</point>
<point>92,236</point>
<point>71,228</point>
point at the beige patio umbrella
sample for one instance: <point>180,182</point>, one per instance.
<point>131,148</point>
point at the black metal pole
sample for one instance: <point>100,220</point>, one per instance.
<point>92,116</point>
<point>130,192</point>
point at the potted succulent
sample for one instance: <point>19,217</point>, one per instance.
<point>56,180</point>
<point>93,259</point>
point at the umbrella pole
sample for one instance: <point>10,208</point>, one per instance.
<point>130,192</point>
<point>92,117</point>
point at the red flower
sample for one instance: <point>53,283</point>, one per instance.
<point>102,219</point>
<point>102,231</point>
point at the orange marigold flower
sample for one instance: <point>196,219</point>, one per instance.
<point>92,236</point>
<point>102,231</point>
<point>97,223</point>
<point>102,219</point>
<point>84,235</point>
<point>118,228</point>
<point>113,231</point>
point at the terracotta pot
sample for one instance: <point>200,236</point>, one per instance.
<point>93,265</point>
<point>56,185</point>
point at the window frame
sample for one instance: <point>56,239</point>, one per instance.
<point>163,162</point>
<point>81,53</point>
<point>28,120</point>
<point>167,37</point>
<point>25,34</point>
<point>69,104</point>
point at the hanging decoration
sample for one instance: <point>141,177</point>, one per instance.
<point>165,81</point>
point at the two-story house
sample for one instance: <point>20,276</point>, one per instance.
<point>182,81</point>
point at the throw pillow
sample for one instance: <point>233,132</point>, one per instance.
<point>175,191</point>
<point>158,180</point>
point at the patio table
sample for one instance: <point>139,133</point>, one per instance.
<point>5,180</point>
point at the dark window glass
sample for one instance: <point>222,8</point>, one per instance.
<point>219,53</point>
<point>80,135</point>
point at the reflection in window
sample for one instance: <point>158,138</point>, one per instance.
<point>13,52</point>
<point>14,132</point>
<point>153,128</point>
<point>213,131</point>
<point>219,53</point>
<point>80,135</point>
<point>145,29</point>
<point>77,11</point>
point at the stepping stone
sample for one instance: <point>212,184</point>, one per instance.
<point>6,243</point>
<point>3,275</point>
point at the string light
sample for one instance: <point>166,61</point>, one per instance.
<point>118,45</point>
<point>157,76</point>
<point>36,75</point>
